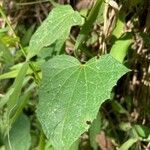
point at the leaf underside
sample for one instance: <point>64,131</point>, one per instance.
<point>71,94</point>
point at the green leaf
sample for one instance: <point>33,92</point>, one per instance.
<point>94,131</point>
<point>56,26</point>
<point>16,87</point>
<point>13,93</point>
<point>118,30</point>
<point>19,136</point>
<point>54,49</point>
<point>27,36</point>
<point>6,55</point>
<point>117,107</point>
<point>100,17</point>
<point>127,144</point>
<point>75,145</point>
<point>71,94</point>
<point>21,104</point>
<point>120,48</point>
<point>86,28</point>
<point>14,70</point>
<point>141,131</point>
<point>11,74</point>
<point>9,40</point>
<point>125,126</point>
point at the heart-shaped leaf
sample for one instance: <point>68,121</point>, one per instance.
<point>71,94</point>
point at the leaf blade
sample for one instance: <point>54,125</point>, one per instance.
<point>73,93</point>
<point>54,27</point>
<point>120,48</point>
<point>17,86</point>
<point>88,24</point>
<point>20,138</point>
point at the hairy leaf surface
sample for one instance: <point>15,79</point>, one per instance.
<point>71,94</point>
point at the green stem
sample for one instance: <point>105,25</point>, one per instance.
<point>37,78</point>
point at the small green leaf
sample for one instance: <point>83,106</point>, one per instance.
<point>11,74</point>
<point>125,126</point>
<point>71,94</point>
<point>13,93</point>
<point>27,36</point>
<point>86,28</point>
<point>14,70</point>
<point>118,30</point>
<point>16,87</point>
<point>19,136</point>
<point>94,131</point>
<point>9,40</point>
<point>119,108</point>
<point>120,48</point>
<point>141,131</point>
<point>6,55</point>
<point>56,26</point>
<point>54,49</point>
<point>127,144</point>
<point>21,104</point>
